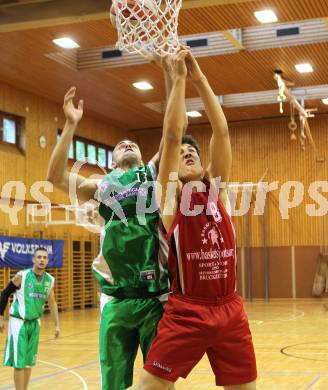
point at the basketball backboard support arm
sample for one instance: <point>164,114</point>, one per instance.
<point>47,214</point>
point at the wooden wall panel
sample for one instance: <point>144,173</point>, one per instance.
<point>43,118</point>
<point>257,274</point>
<point>264,146</point>
<point>306,261</point>
<point>74,282</point>
<point>280,273</point>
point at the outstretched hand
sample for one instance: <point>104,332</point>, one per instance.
<point>194,71</point>
<point>178,64</point>
<point>73,114</point>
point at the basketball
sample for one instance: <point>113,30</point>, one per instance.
<point>134,10</point>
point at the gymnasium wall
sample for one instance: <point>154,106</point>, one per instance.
<point>261,147</point>
<point>75,287</point>
<point>258,146</point>
<point>43,117</point>
<point>289,272</point>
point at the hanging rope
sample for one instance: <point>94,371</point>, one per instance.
<point>284,94</point>
<point>292,124</point>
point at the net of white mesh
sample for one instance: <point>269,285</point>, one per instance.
<point>147,26</point>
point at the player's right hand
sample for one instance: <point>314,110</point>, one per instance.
<point>179,65</point>
<point>194,71</point>
<point>2,324</point>
<point>73,114</point>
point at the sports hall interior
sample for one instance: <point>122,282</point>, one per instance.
<point>277,257</point>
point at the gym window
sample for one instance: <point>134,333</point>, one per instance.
<point>82,149</point>
<point>10,129</point>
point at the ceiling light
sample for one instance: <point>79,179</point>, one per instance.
<point>304,68</point>
<point>194,114</point>
<point>143,85</point>
<point>266,16</point>
<point>325,101</point>
<point>66,43</point>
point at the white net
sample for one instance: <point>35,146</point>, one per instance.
<point>147,26</point>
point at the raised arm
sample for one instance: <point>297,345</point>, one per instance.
<point>220,147</point>
<point>57,168</point>
<point>54,311</point>
<point>173,128</point>
<point>164,64</point>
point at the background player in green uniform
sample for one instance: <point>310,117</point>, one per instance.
<point>131,266</point>
<point>32,288</point>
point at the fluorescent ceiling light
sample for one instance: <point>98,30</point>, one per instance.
<point>266,16</point>
<point>66,43</point>
<point>304,68</point>
<point>194,114</point>
<point>325,101</point>
<point>143,85</point>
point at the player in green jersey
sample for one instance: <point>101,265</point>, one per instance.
<point>32,288</point>
<point>131,267</point>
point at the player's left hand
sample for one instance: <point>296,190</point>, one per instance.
<point>194,71</point>
<point>57,332</point>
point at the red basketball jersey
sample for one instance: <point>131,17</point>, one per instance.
<point>202,253</point>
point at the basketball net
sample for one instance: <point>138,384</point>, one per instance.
<point>148,30</point>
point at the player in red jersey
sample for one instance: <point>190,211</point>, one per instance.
<point>204,313</point>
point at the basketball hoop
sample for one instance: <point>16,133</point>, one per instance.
<point>147,26</point>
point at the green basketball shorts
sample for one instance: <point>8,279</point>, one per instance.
<point>125,324</point>
<point>22,343</point>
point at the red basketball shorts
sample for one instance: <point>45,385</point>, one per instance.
<point>188,330</point>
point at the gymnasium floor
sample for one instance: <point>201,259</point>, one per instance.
<point>289,336</point>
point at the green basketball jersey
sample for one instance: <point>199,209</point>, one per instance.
<point>133,258</point>
<point>30,298</point>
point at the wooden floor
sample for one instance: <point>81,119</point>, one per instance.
<point>291,341</point>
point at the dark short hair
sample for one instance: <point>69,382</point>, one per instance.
<point>189,140</point>
<point>40,248</point>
